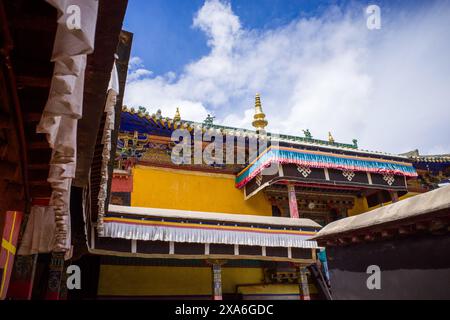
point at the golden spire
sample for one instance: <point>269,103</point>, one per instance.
<point>177,116</point>
<point>330,138</point>
<point>259,118</point>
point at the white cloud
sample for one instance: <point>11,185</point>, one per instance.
<point>135,62</point>
<point>387,88</point>
<point>138,74</point>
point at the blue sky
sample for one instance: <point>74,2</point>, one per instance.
<point>315,63</point>
<point>166,41</point>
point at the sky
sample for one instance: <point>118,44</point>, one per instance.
<point>315,64</point>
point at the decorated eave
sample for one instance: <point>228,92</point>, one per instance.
<point>153,232</point>
<point>424,213</point>
<point>416,157</point>
<point>433,163</point>
<point>323,168</point>
<point>143,124</point>
<point>435,158</point>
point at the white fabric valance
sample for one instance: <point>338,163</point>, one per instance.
<point>192,235</point>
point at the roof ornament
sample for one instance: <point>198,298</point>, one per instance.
<point>141,111</point>
<point>177,117</point>
<point>259,118</point>
<point>209,121</point>
<point>355,143</point>
<point>307,133</point>
<point>330,138</point>
<point>158,114</point>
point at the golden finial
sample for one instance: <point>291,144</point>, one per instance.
<point>330,138</point>
<point>177,116</point>
<point>259,118</point>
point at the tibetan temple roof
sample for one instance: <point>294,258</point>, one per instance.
<point>144,123</point>
<point>433,163</point>
<point>416,157</point>
<point>433,158</point>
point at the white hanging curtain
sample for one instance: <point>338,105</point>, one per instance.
<point>65,104</point>
<point>113,91</point>
<point>39,235</point>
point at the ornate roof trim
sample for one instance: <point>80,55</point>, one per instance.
<point>169,124</point>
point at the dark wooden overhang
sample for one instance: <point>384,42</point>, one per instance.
<point>28,32</point>
<point>425,213</point>
<point>27,36</point>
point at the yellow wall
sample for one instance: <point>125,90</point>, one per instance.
<point>149,280</point>
<point>359,207</point>
<point>406,196</point>
<point>191,190</point>
<point>116,280</point>
<point>160,281</point>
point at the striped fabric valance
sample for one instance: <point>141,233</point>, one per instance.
<point>215,233</point>
<point>320,159</point>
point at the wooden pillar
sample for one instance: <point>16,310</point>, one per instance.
<point>55,277</point>
<point>217,281</point>
<point>343,213</point>
<point>9,228</point>
<point>293,208</point>
<point>303,283</point>
<point>216,277</point>
<point>394,196</point>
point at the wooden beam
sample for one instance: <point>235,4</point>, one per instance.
<point>32,117</point>
<point>404,230</point>
<point>436,224</point>
<point>41,191</point>
<point>8,170</point>
<point>38,145</point>
<point>421,226</point>
<point>39,183</point>
<point>369,237</point>
<point>38,166</point>
<point>386,234</point>
<point>33,82</point>
<point>3,147</point>
<point>4,121</point>
<point>14,190</point>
